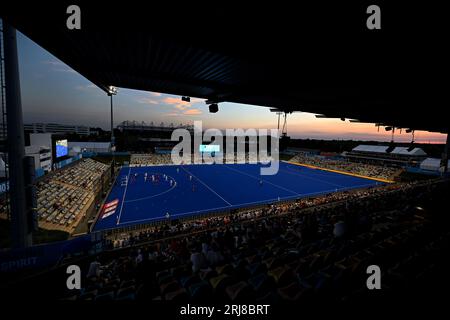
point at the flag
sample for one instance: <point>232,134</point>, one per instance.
<point>109,208</point>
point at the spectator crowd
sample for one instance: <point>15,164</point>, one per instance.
<point>309,249</point>
<point>368,170</point>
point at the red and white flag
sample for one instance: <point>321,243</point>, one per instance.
<point>109,208</point>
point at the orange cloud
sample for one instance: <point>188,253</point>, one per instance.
<point>178,102</point>
<point>173,100</point>
<point>181,107</point>
<point>192,112</point>
<point>147,101</point>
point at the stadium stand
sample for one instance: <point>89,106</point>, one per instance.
<point>364,169</point>
<point>65,196</point>
<point>4,200</point>
<point>293,253</point>
<point>149,159</point>
<point>155,232</point>
<point>83,174</point>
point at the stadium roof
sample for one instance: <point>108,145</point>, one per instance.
<point>384,149</point>
<point>319,59</point>
<point>369,148</point>
<point>432,164</point>
<point>408,151</point>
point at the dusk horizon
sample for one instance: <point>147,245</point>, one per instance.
<point>52,92</point>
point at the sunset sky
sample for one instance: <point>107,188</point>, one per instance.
<point>53,92</point>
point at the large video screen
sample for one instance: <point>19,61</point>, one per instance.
<point>209,148</point>
<point>61,148</point>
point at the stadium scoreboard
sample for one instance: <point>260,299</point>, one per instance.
<point>209,148</point>
<point>61,148</point>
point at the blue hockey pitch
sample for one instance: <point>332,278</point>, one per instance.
<point>187,190</point>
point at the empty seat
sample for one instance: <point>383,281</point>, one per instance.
<point>207,274</point>
<point>164,278</point>
<point>177,295</point>
<point>89,295</point>
<point>127,283</point>
<point>200,291</point>
<point>272,263</point>
<point>256,268</point>
<point>282,275</point>
<point>187,281</point>
<point>107,296</point>
<point>225,269</point>
<point>291,292</point>
<point>126,293</point>
<point>261,284</point>
<point>168,287</point>
<point>240,291</point>
<point>220,282</point>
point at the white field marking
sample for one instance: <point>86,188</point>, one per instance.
<point>302,195</point>
<point>178,214</point>
<point>315,179</point>
<point>275,185</point>
<point>229,204</point>
<point>155,195</point>
<point>123,198</point>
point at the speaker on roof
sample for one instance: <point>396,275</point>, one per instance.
<point>213,108</point>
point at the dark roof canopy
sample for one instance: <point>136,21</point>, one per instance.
<point>319,59</point>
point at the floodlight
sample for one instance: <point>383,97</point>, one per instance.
<point>112,90</point>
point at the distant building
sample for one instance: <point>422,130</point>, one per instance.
<point>141,126</point>
<point>144,137</point>
<point>41,140</point>
<point>57,128</point>
<point>76,147</point>
<point>42,157</point>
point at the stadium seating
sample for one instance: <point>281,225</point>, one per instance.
<point>84,174</point>
<point>64,196</point>
<point>368,170</point>
<point>150,159</point>
<point>4,203</point>
<point>290,254</point>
